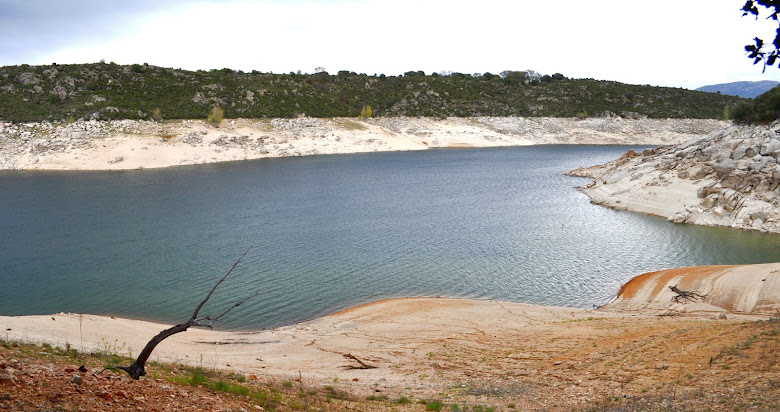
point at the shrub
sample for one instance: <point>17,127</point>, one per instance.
<point>215,116</point>
<point>434,405</point>
<point>403,401</point>
<point>198,378</point>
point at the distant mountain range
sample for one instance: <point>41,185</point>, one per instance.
<point>741,89</point>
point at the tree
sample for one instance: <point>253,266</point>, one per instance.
<point>518,77</point>
<point>136,369</point>
<point>365,112</point>
<point>757,51</point>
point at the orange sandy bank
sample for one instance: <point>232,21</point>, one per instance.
<point>743,289</point>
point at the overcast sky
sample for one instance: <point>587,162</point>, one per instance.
<point>681,43</point>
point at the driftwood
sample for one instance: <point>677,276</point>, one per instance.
<point>136,369</point>
<point>672,313</point>
<point>363,365</point>
<point>685,296</point>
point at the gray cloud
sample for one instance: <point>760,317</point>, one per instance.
<point>32,29</point>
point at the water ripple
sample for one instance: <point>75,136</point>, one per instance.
<point>334,231</point>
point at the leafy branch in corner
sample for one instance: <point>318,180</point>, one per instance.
<point>136,369</point>
<point>756,51</point>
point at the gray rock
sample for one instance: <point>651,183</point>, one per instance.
<point>27,78</point>
<point>699,172</point>
<point>680,217</point>
<point>768,148</point>
<point>76,378</point>
<point>724,167</point>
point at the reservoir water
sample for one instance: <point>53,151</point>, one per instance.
<point>330,232</point>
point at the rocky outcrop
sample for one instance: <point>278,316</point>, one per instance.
<point>728,178</point>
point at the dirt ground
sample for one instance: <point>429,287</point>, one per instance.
<point>583,363</point>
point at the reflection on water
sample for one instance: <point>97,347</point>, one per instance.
<point>330,232</point>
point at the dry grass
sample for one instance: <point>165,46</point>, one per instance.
<point>351,125</point>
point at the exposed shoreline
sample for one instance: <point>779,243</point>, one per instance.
<point>129,144</point>
<point>399,334</point>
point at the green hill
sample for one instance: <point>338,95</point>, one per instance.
<point>110,91</point>
<point>763,109</point>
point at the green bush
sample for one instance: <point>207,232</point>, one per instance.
<point>365,112</point>
<point>215,116</point>
<point>434,405</point>
<point>198,378</point>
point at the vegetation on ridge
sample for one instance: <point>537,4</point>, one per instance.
<point>763,109</point>
<point>111,91</point>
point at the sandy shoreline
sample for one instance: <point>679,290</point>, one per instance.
<point>128,144</point>
<point>399,335</point>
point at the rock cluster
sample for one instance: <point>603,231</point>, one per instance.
<point>728,178</point>
<point>302,126</point>
<point>192,138</point>
<point>238,142</point>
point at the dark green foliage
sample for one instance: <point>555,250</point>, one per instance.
<point>765,108</point>
<point>110,91</point>
<point>434,405</point>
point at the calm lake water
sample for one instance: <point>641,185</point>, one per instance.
<point>330,232</point>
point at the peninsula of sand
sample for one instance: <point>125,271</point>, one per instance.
<point>131,144</point>
<point>728,178</point>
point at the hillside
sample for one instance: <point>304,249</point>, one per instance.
<point>104,91</point>
<point>741,89</point>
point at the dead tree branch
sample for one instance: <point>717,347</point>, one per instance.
<point>136,369</point>
<point>685,296</point>
<point>363,365</point>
